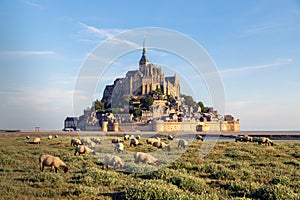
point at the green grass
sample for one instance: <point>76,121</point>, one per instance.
<point>230,171</point>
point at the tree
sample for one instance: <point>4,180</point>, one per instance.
<point>99,105</point>
<point>204,109</point>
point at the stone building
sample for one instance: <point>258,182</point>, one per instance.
<point>149,77</point>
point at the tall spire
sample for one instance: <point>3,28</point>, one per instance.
<point>144,60</point>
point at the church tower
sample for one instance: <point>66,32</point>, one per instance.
<point>144,60</point>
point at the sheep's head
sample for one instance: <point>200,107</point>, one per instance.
<point>66,169</point>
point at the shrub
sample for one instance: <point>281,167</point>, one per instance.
<point>190,183</point>
<point>275,192</point>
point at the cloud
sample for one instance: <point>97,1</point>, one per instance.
<point>27,53</point>
<point>277,63</point>
<point>33,4</point>
<point>106,34</point>
<point>257,30</point>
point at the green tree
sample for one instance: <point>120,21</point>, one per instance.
<point>99,105</point>
<point>204,109</point>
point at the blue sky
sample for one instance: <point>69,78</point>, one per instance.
<point>254,44</point>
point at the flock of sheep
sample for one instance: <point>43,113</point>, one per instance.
<point>87,145</point>
<point>259,140</point>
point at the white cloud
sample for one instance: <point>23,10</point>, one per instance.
<point>33,4</point>
<point>277,63</point>
<point>107,34</point>
<point>27,53</point>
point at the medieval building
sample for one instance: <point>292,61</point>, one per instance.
<point>149,77</point>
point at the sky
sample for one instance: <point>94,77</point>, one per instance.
<point>254,45</point>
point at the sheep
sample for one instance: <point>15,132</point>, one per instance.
<point>199,137</point>
<point>37,140</point>
<point>264,140</point>
<point>81,149</point>
<point>159,144</point>
<point>151,140</point>
<point>131,136</point>
<point>75,142</point>
<point>51,161</point>
<point>96,140</point>
<point>56,136</point>
<point>126,137</point>
<point>239,138</point>
<point>113,161</point>
<point>116,140</point>
<point>27,137</point>
<point>248,138</point>
<point>134,142</point>
<point>49,137</point>
<point>119,147</point>
<point>170,137</point>
<point>138,137</point>
<point>255,139</point>
<point>86,140</point>
<point>182,143</point>
<point>145,158</point>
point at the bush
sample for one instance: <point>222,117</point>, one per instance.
<point>156,189</point>
<point>275,192</point>
<point>190,183</point>
<point>94,177</point>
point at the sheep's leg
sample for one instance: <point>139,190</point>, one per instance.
<point>41,167</point>
<point>55,169</point>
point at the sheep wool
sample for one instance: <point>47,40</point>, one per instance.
<point>113,161</point>
<point>81,149</point>
<point>27,137</point>
<point>51,161</point>
<point>75,142</point>
<point>119,147</point>
<point>134,142</point>
<point>182,143</point>
<point>49,137</point>
<point>37,140</point>
<point>145,158</point>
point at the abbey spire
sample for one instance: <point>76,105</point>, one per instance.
<point>144,60</point>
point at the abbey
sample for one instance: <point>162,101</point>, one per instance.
<point>148,78</point>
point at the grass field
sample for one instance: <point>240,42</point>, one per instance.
<point>230,171</point>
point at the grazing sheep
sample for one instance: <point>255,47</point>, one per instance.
<point>264,140</point>
<point>134,142</point>
<point>116,140</point>
<point>81,149</point>
<point>119,147</point>
<point>248,138</point>
<point>182,143</point>
<point>56,136</point>
<point>138,137</point>
<point>239,138</point>
<point>51,161</point>
<point>113,161</point>
<point>199,137</point>
<point>27,137</point>
<point>75,142</point>
<point>255,139</point>
<point>49,137</point>
<point>96,140</point>
<point>151,140</point>
<point>37,140</point>
<point>170,137</point>
<point>159,144</point>
<point>126,137</point>
<point>145,158</point>
<point>86,140</point>
<point>131,136</point>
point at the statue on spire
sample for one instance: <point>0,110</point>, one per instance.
<point>144,60</point>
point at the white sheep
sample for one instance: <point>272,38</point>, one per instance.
<point>116,140</point>
<point>182,143</point>
<point>96,140</point>
<point>145,158</point>
<point>51,161</point>
<point>126,137</point>
<point>27,137</point>
<point>131,136</point>
<point>49,137</point>
<point>75,142</point>
<point>134,142</point>
<point>56,136</point>
<point>86,140</point>
<point>170,137</point>
<point>81,149</point>
<point>159,144</point>
<point>138,137</point>
<point>119,147</point>
<point>37,140</point>
<point>151,140</point>
<point>199,137</point>
<point>113,161</point>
